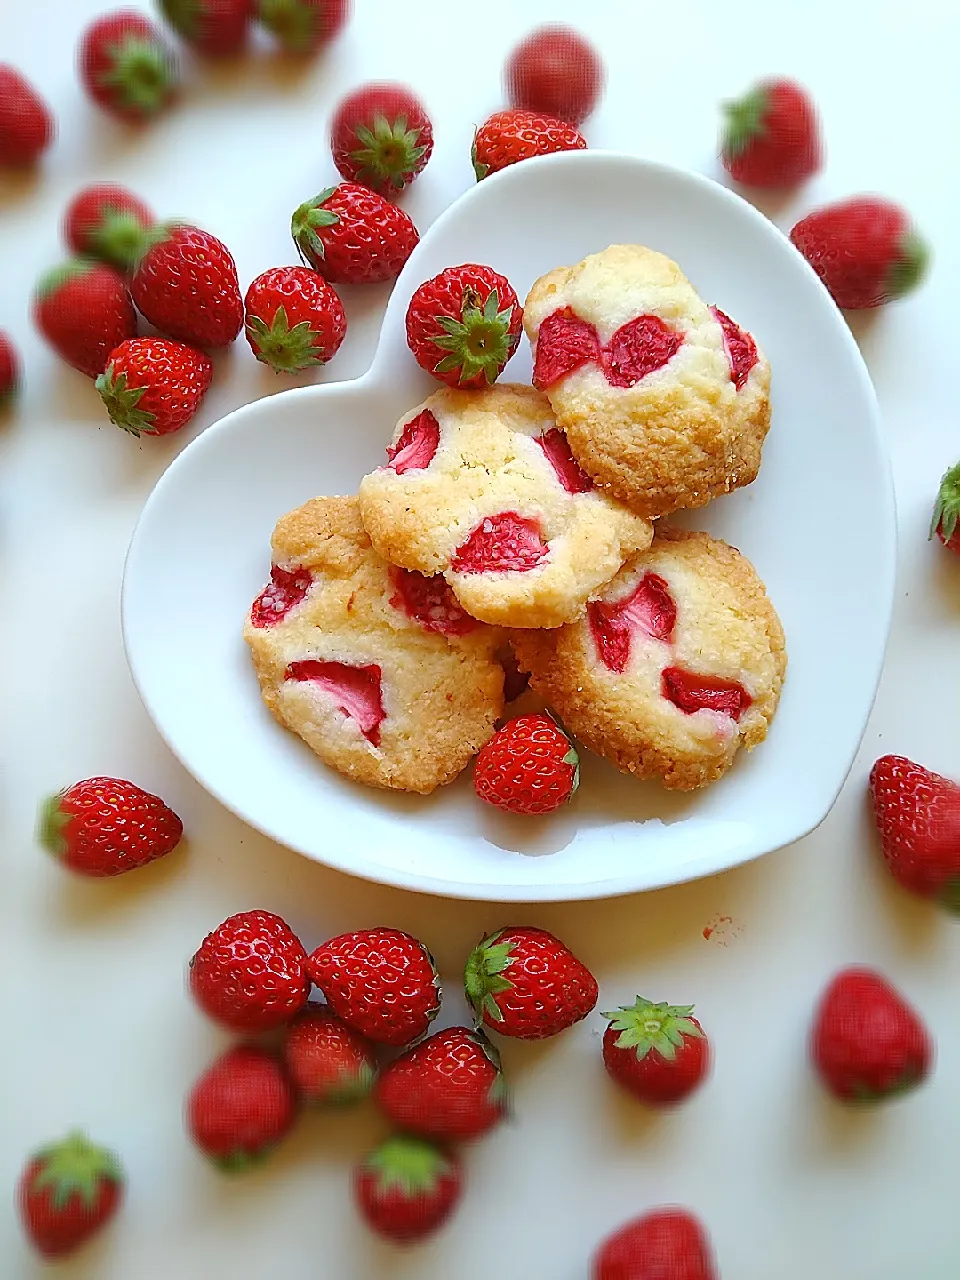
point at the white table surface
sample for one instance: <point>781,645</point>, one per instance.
<point>98,1030</point>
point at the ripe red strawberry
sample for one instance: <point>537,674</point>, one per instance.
<point>464,324</point>
<point>557,71</point>
<point>294,319</point>
<point>303,26</point>
<point>108,222</point>
<point>657,1052</point>
<point>867,1043</point>
<point>26,125</point>
<point>84,311</point>
<point>865,250</point>
<point>507,137</point>
<point>381,136</point>
<point>250,973</point>
<point>240,1108</point>
<point>353,236</point>
<point>918,818</point>
<point>524,982</point>
<point>66,1193</point>
<point>381,982</point>
<point>327,1061</point>
<point>215,28</point>
<point>449,1087</point>
<point>9,372</point>
<point>772,136</point>
<point>105,826</point>
<point>126,65</point>
<point>186,285</point>
<point>407,1188</point>
<point>153,386</point>
<point>946,510</point>
<point>528,766</point>
<point>664,1244</point>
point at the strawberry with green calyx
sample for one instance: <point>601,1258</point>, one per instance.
<point>240,1108</point>
<point>946,510</point>
<point>108,222</point>
<point>126,65</point>
<point>303,26</point>
<point>656,1051</point>
<point>464,324</point>
<point>294,319</point>
<point>772,136</point>
<point>352,235</point>
<point>9,372</point>
<point>154,386</point>
<point>529,766</point>
<point>106,826</point>
<point>84,311</point>
<point>406,1188</point>
<point>381,136</point>
<point>67,1192</point>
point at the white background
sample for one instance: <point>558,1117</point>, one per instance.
<point>97,1029</point>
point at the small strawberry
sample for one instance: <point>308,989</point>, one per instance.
<point>463,325</point>
<point>664,1244</point>
<point>867,1043</point>
<point>126,65</point>
<point>303,26</point>
<point>153,386</point>
<point>524,982</point>
<point>507,137</point>
<point>9,372</point>
<point>186,285</point>
<point>353,236</point>
<point>529,766</point>
<point>108,222</point>
<point>381,137</point>
<point>918,817</point>
<point>26,125</point>
<point>240,1108</point>
<point>105,826</point>
<point>407,1188</point>
<point>328,1062</point>
<point>946,510</point>
<point>657,1052</point>
<point>557,71</point>
<point>294,319</point>
<point>772,136</point>
<point>865,250</point>
<point>84,311</point>
<point>449,1087</point>
<point>66,1193</point>
<point>250,973</point>
<point>215,28</point>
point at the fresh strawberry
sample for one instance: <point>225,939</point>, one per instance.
<point>186,285</point>
<point>215,28</point>
<point>327,1061</point>
<point>9,372</point>
<point>448,1088</point>
<point>353,236</point>
<point>126,65</point>
<point>507,137</point>
<point>26,125</point>
<point>430,601</point>
<point>108,222</point>
<point>294,319</point>
<point>772,136</point>
<point>381,137</point>
<point>105,826</point>
<point>84,311</point>
<point>524,982</point>
<point>657,1052</point>
<point>407,1188</point>
<point>867,1043</point>
<point>557,71</point>
<point>66,1193</point>
<point>528,766</point>
<point>865,250</point>
<point>664,1244</point>
<point>464,324</point>
<point>303,26</point>
<point>250,973</point>
<point>381,982</point>
<point>153,386</point>
<point>240,1108</point>
<point>918,818</point>
<point>946,510</point>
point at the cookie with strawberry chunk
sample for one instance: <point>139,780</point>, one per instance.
<point>379,671</point>
<point>677,664</point>
<point>665,400</point>
<point>480,486</point>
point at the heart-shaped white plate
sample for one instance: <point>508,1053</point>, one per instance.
<point>819,524</point>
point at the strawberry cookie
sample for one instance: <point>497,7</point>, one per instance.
<point>482,488</point>
<point>677,664</point>
<point>379,670</point>
<point>665,401</point>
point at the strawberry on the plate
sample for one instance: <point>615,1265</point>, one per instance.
<point>250,973</point>
<point>381,982</point>
<point>528,766</point>
<point>67,1192</point>
<point>918,817</point>
<point>381,137</point>
<point>215,28</point>
<point>105,826</point>
<point>294,319</point>
<point>524,982</point>
<point>351,235</point>
<point>867,1043</point>
<point>9,371</point>
<point>126,65</point>
<point>657,1052</point>
<point>328,1062</point>
<point>108,222</point>
<point>240,1108</point>
<point>84,311</point>
<point>557,71</point>
<point>946,510</point>
<point>152,386</point>
<point>26,125</point>
<point>186,285</point>
<point>772,136</point>
<point>303,26</point>
<point>464,324</point>
<point>407,1188</point>
<point>663,1244</point>
<point>507,137</point>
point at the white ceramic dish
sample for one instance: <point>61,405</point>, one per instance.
<point>819,524</point>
